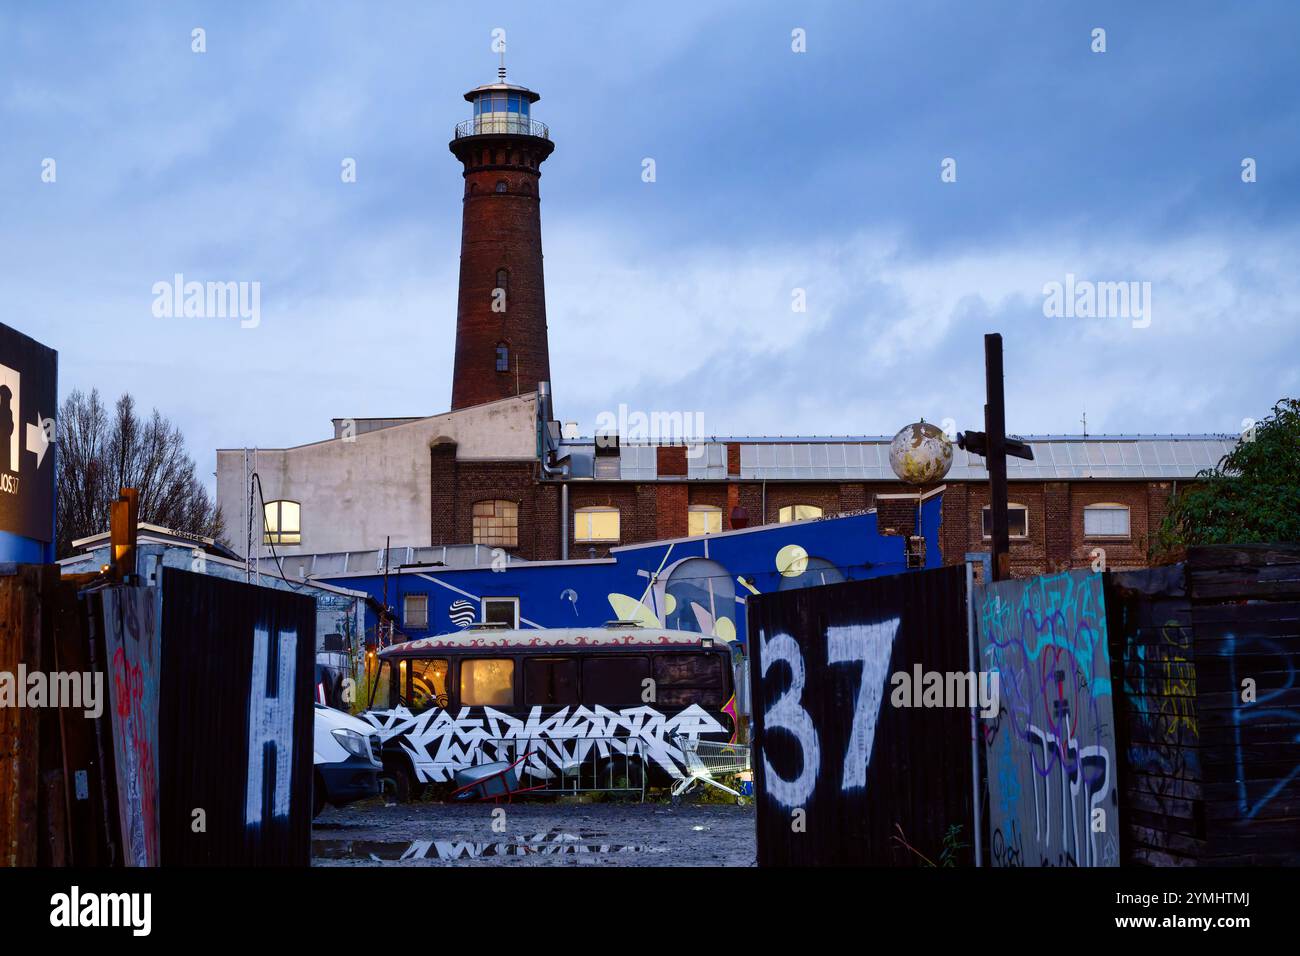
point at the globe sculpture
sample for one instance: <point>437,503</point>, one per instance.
<point>920,454</point>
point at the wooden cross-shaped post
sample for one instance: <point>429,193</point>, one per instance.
<point>994,445</point>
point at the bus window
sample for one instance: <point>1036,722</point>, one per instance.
<point>614,681</point>
<point>551,681</point>
<point>428,685</point>
<point>381,691</point>
<point>487,682</point>
<point>684,679</point>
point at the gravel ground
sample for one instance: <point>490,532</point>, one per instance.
<point>534,833</point>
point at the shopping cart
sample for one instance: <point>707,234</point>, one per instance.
<point>705,760</point>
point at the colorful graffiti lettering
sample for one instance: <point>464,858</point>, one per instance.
<point>1052,753</point>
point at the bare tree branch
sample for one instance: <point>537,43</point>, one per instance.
<point>100,454</point>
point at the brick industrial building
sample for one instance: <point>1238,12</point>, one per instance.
<point>1108,492</point>
<point>498,470</point>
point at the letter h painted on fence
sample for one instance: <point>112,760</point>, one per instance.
<point>270,726</point>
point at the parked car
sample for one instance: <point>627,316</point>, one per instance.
<point>346,759</point>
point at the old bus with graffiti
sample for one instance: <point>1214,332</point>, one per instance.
<point>619,700</point>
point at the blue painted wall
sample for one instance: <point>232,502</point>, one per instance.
<point>14,547</point>
<point>689,584</point>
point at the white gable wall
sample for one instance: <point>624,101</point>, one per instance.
<point>355,493</point>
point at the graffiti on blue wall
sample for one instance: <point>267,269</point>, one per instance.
<point>693,584</point>
<point>1053,799</point>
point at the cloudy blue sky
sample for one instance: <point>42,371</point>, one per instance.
<point>776,171</point>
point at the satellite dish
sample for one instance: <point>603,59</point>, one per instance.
<point>920,454</point>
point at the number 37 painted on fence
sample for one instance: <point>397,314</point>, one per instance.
<point>868,644</point>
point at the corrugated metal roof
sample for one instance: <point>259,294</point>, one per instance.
<point>867,459</point>
<point>1053,458</point>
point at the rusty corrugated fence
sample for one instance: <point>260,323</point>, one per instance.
<point>842,775</point>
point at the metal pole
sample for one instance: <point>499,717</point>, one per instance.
<point>995,428</point>
<point>973,652</point>
<point>387,540</point>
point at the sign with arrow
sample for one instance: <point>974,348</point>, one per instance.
<point>28,392</point>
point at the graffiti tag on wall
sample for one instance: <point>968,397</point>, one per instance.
<point>1051,754</point>
<point>439,743</point>
<point>1255,789</point>
<point>131,637</point>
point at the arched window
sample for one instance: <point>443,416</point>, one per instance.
<point>596,524</point>
<point>798,513</point>
<point>503,357</point>
<point>503,279</point>
<point>1017,521</point>
<point>1106,520</point>
<point>282,523</point>
<point>496,523</point>
<point>502,185</point>
<point>703,519</point>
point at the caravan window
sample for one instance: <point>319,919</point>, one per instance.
<point>427,685</point>
<point>685,679</point>
<point>551,681</point>
<point>614,681</point>
<point>381,691</point>
<point>487,682</point>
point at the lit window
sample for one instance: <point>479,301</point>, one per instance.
<point>502,185</point>
<point>496,523</point>
<point>503,358</point>
<point>1017,521</point>
<point>1106,521</point>
<point>283,523</point>
<point>501,610</point>
<point>415,611</point>
<point>428,685</point>
<point>798,513</point>
<point>703,519</point>
<point>595,524</point>
<point>487,682</point>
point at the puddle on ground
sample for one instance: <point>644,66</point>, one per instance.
<point>551,843</point>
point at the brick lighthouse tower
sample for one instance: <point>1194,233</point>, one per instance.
<point>501,314</point>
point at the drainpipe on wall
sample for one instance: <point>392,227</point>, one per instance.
<point>564,521</point>
<point>562,472</point>
<point>552,471</point>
